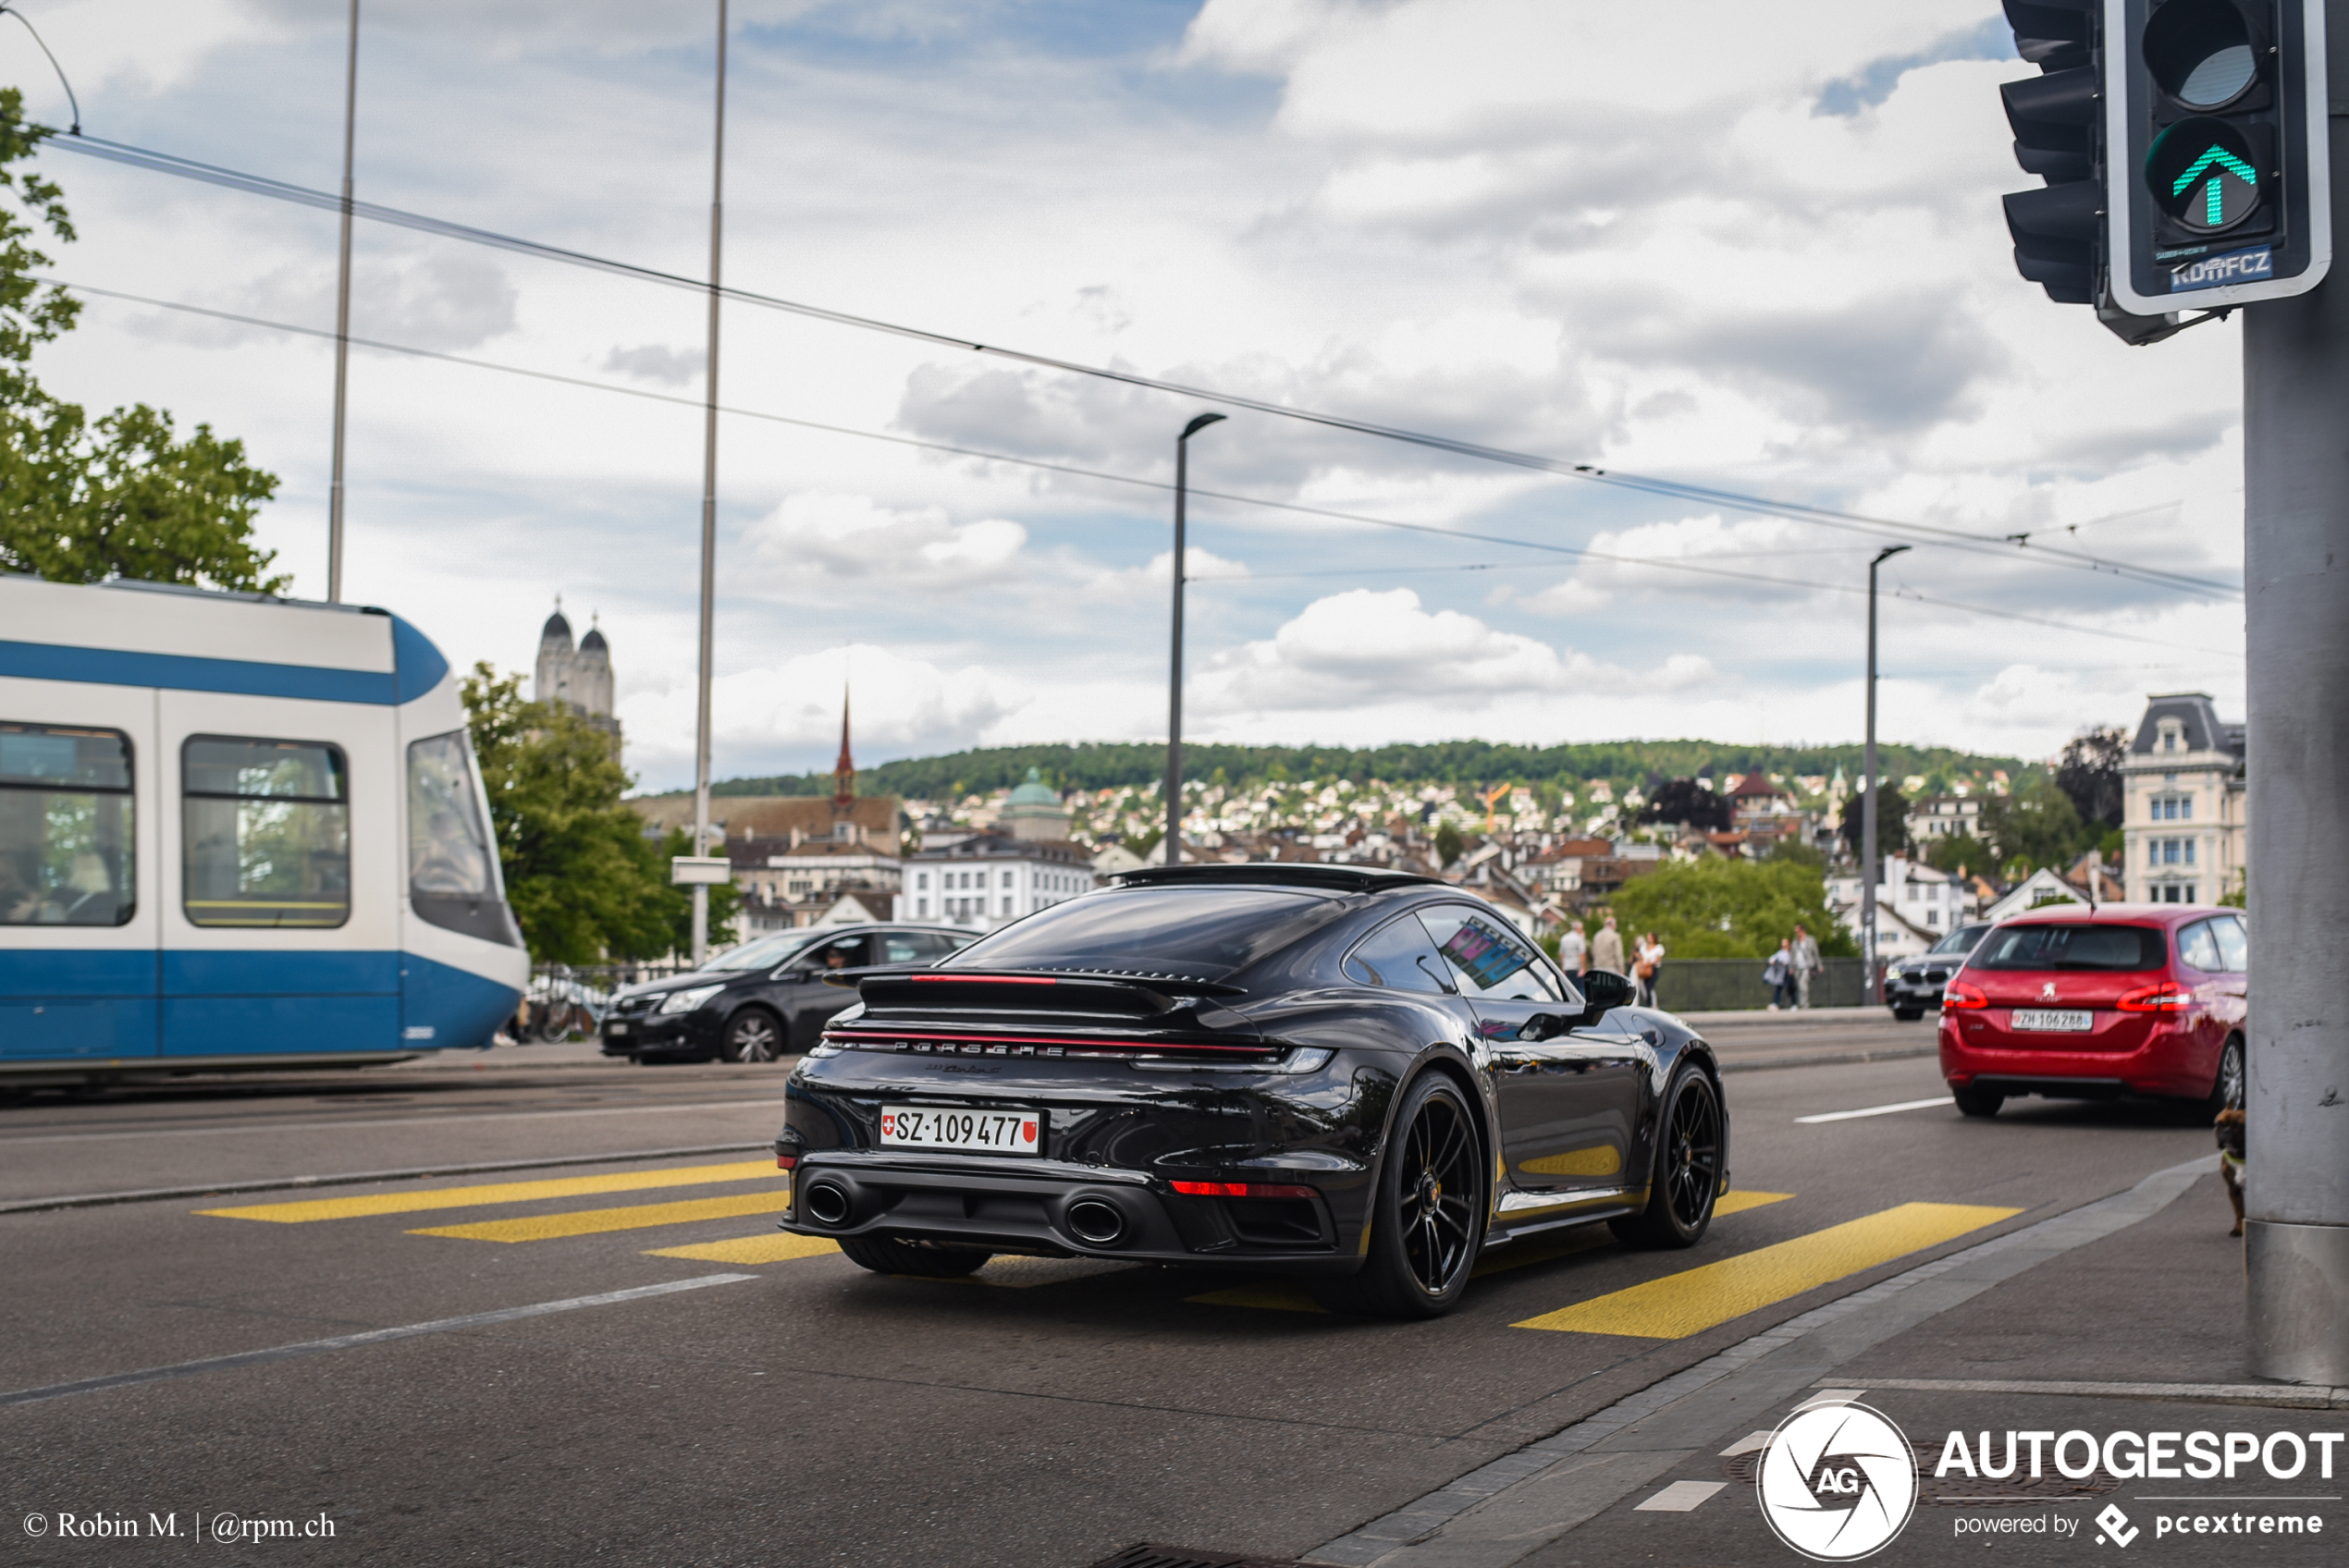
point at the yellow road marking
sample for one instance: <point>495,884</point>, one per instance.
<point>780,1247</point>
<point>305,1211</point>
<point>592,1221</point>
<point>1697,1299</point>
<point>1739,1202</point>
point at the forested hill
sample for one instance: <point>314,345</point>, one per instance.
<point>1109,765</point>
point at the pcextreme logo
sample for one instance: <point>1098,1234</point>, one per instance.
<point>1838,1482</point>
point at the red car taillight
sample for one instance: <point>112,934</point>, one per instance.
<point>2167,996</point>
<point>1962,998</point>
<point>787,1162</point>
<point>1239,1190</point>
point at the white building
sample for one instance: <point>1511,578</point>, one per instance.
<point>1945,816</point>
<point>988,879</point>
<point>580,678</point>
<point>2182,803</point>
<point>1916,906</point>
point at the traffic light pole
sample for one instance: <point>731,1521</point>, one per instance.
<point>2295,385</point>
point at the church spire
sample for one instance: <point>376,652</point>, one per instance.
<point>844,770</point>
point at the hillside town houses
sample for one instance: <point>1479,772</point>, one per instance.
<point>1542,857</point>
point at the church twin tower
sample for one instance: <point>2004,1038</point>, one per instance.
<point>579,678</point>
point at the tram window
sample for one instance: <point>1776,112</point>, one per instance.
<point>448,848</point>
<point>269,826</point>
<point>65,844</point>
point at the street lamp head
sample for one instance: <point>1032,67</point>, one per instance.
<point>1198,423</point>
<point>1887,553</point>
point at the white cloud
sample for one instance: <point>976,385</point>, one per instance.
<point>1157,576</point>
<point>828,537</point>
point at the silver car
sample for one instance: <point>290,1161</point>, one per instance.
<point>1912,988</point>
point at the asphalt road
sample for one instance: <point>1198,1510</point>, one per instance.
<point>800,1409</point>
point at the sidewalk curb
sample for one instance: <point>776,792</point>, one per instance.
<point>358,1177</point>
<point>1397,1538</point>
<point>2283,1396</point>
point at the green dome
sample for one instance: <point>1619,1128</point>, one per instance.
<point>1034,793</point>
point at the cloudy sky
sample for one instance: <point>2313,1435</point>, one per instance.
<point>1752,248</point>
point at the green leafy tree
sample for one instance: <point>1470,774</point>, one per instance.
<point>1447,843</point>
<point>1722,908</point>
<point>2037,827</point>
<point>1891,822</point>
<point>585,882</point>
<point>1961,850</point>
<point>82,500</point>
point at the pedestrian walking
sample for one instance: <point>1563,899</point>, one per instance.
<point>1574,950</point>
<point>1774,973</point>
<point>1807,962</point>
<point>1607,949</point>
<point>1647,963</point>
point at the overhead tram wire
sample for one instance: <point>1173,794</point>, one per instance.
<point>2002,545</point>
<point>1455,534</point>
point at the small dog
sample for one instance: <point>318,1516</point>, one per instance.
<point>2229,1128</point>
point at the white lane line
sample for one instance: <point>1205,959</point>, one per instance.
<point>1873,1110</point>
<point>350,1341</point>
<point>1832,1396</point>
<point>394,1121</point>
<point>1680,1497</point>
<point>1749,1443</point>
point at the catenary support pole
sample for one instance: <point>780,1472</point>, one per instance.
<point>1175,664</point>
<point>2295,409</point>
<point>1870,871</point>
<point>342,317</point>
<point>709,509</point>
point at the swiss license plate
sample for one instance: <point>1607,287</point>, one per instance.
<point>2051,1019</point>
<point>615,1028</point>
<point>971,1132</point>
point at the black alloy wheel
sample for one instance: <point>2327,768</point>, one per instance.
<point>887,1254</point>
<point>1686,1177</point>
<point>753,1034</point>
<point>1428,1221</point>
<point>2227,1086</point>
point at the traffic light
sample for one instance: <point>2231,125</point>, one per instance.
<point>2222,190</point>
<point>2182,144</point>
<point>2059,136</point>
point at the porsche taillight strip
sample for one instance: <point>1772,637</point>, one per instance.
<point>935,1044</point>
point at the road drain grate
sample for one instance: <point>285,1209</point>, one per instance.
<point>1959,1491</point>
<point>1156,1554</point>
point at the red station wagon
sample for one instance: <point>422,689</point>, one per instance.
<point>2125,1001</point>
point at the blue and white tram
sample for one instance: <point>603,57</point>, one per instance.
<point>236,832</point>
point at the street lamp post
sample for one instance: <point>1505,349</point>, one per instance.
<point>1174,666</point>
<point>1869,873</point>
<point>342,317</point>
<point>708,511</point>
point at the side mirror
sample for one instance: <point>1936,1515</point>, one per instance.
<point>1603,990</point>
<point>1544,1026</point>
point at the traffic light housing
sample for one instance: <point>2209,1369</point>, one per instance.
<point>2058,135</point>
<point>2222,193</point>
<point>2183,151</point>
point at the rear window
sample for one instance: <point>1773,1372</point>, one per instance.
<point>1960,940</point>
<point>1200,933</point>
<point>2072,947</point>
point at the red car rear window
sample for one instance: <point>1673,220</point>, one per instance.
<point>2083,946</point>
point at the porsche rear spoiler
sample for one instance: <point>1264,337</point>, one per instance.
<point>1016,990</point>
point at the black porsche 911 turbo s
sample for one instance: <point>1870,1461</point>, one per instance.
<point>1360,1076</point>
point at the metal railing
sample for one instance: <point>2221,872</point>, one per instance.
<point>567,1001</point>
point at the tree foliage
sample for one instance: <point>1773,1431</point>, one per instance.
<point>2037,827</point>
<point>2089,774</point>
<point>82,500</point>
<point>1101,766</point>
<point>1686,801</point>
<point>1891,822</point>
<point>1961,852</point>
<point>1722,908</point>
<point>585,882</point>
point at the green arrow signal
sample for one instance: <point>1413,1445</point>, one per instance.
<point>2212,207</point>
